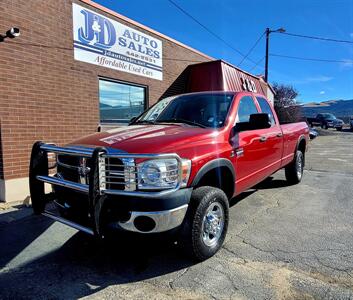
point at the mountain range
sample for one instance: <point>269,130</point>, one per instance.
<point>342,109</point>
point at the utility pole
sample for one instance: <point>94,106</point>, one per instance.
<point>268,31</point>
<point>267,45</point>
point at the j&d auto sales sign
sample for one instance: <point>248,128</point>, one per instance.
<point>102,41</point>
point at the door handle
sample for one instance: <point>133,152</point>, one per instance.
<point>239,152</point>
<point>279,135</point>
<point>263,139</point>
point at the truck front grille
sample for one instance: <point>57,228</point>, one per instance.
<point>68,167</point>
<point>115,173</point>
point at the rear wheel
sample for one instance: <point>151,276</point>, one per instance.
<point>339,128</point>
<point>294,171</point>
<point>206,223</point>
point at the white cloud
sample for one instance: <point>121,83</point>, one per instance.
<point>311,79</point>
<point>346,64</point>
<point>319,78</point>
<point>322,93</point>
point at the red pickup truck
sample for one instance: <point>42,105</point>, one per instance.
<point>173,169</point>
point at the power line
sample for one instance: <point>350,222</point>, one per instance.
<point>256,65</point>
<point>251,49</point>
<point>317,38</point>
<point>208,30</point>
<point>313,59</point>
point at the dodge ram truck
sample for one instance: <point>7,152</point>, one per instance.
<point>173,170</point>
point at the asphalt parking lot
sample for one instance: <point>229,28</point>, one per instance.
<point>284,242</point>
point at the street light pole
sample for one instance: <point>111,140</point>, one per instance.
<point>268,31</point>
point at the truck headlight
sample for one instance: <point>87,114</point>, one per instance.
<point>160,174</point>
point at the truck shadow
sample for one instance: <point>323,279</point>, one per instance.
<point>81,265</point>
<point>268,183</point>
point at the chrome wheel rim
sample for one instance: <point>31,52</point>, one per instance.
<point>299,165</point>
<point>213,224</point>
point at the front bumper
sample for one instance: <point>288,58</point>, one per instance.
<point>154,221</point>
<point>92,210</point>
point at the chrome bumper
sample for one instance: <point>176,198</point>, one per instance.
<point>164,220</point>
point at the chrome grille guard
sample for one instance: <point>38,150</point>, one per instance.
<point>97,175</point>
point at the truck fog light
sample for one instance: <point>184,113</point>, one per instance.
<point>144,223</point>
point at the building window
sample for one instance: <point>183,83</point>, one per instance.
<point>119,101</point>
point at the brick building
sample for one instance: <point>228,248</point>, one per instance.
<point>76,66</point>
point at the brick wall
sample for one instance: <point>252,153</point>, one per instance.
<point>46,94</point>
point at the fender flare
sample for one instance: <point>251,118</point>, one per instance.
<point>301,138</point>
<point>213,164</point>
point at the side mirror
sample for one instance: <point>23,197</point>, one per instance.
<point>256,121</point>
<point>259,121</point>
<point>132,120</point>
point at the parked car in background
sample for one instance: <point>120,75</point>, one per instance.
<point>326,120</point>
<point>173,169</point>
<point>351,122</point>
<point>313,133</point>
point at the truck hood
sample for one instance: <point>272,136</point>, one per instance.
<point>151,138</point>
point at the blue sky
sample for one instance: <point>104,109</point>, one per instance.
<point>240,23</point>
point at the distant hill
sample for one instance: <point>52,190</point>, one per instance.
<point>342,109</point>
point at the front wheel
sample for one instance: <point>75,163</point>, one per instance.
<point>294,171</point>
<point>339,128</point>
<point>206,223</point>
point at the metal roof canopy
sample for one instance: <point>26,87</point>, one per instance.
<point>219,75</point>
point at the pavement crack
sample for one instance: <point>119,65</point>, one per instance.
<point>235,288</point>
<point>244,261</point>
<point>181,274</point>
<point>271,252</point>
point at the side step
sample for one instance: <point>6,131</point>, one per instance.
<point>68,223</point>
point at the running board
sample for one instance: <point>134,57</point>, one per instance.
<point>68,223</point>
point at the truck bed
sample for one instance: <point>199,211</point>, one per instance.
<point>291,134</point>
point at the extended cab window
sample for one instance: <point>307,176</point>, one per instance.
<point>265,108</point>
<point>246,108</point>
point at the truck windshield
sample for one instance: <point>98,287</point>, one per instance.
<point>329,117</point>
<point>202,110</point>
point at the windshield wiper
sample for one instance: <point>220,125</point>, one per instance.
<point>177,120</point>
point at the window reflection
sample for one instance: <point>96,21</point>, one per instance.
<point>119,102</point>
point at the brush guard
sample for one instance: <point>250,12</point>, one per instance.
<point>39,175</point>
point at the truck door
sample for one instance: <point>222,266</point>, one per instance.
<point>273,140</point>
<point>248,147</point>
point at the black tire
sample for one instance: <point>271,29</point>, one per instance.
<point>339,128</point>
<point>192,233</point>
<point>294,171</point>
<point>324,126</point>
